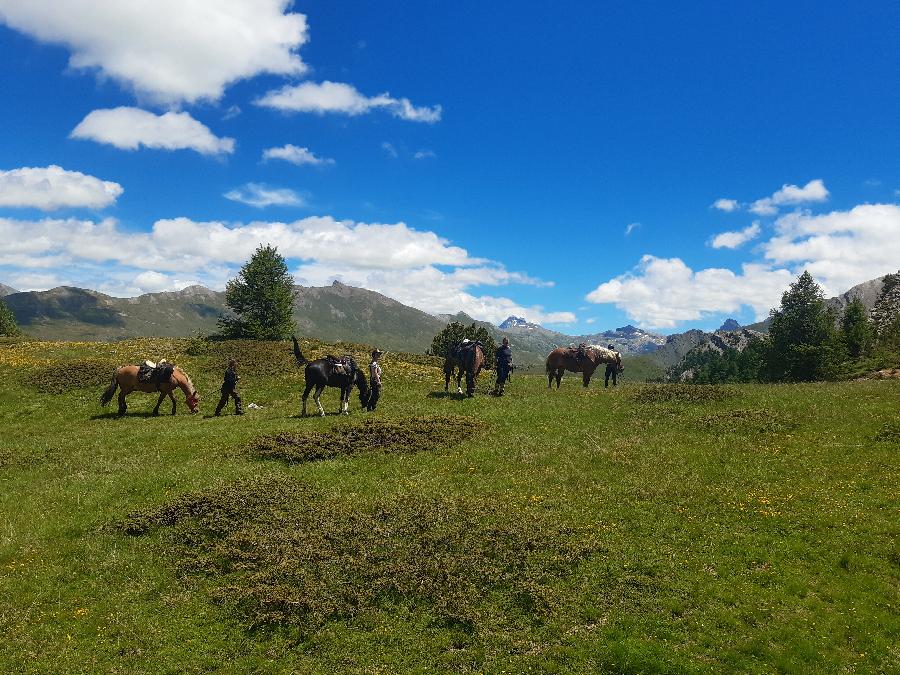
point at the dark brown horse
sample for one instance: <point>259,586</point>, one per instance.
<point>126,379</point>
<point>468,360</point>
<point>561,360</point>
<point>331,372</point>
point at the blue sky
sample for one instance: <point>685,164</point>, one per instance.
<point>584,166</point>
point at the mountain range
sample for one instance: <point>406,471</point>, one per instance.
<point>340,312</point>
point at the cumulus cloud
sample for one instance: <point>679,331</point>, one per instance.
<point>417,267</point>
<point>295,155</point>
<point>168,51</point>
<point>129,128</point>
<point>261,196</point>
<point>727,205</point>
<point>840,249</point>
<point>735,239</point>
<point>339,97</point>
<point>790,195</point>
<point>53,187</point>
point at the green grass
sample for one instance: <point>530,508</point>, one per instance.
<point>647,528</point>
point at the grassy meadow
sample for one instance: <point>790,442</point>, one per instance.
<point>641,529</point>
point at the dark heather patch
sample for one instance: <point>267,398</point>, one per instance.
<point>408,435</point>
<point>683,393</point>
<point>755,420</point>
<point>279,553</point>
<point>888,433</point>
<point>67,375</point>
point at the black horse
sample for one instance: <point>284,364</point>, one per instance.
<point>330,371</point>
<point>468,358</point>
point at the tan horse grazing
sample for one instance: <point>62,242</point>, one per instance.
<point>126,379</point>
<point>469,360</point>
<point>561,360</point>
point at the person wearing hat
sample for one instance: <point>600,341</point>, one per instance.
<point>375,377</point>
<point>503,361</point>
<point>611,369</point>
<point>229,389</point>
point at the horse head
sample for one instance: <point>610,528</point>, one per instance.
<point>364,393</point>
<point>193,402</point>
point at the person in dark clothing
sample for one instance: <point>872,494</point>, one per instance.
<point>229,389</point>
<point>375,377</point>
<point>503,360</point>
<point>611,369</point>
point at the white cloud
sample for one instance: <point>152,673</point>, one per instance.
<point>840,249</point>
<point>261,196</point>
<point>424,154</point>
<point>735,239</point>
<point>631,227</point>
<point>662,292</point>
<point>339,97</point>
<point>169,51</point>
<point>390,150</point>
<point>727,205</point>
<point>129,128</point>
<point>54,188</point>
<point>296,155</point>
<point>790,195</point>
<point>416,267</point>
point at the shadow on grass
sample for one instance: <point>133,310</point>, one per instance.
<point>115,415</point>
<point>446,394</point>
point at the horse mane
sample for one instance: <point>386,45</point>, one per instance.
<point>607,355</point>
<point>187,377</point>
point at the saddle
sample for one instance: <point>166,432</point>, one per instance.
<point>155,372</point>
<point>461,348</point>
<point>578,353</point>
<point>342,366</point>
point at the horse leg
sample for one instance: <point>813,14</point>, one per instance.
<point>586,378</point>
<point>447,374</point>
<point>122,406</point>
<point>317,398</point>
<point>458,380</point>
<point>306,396</point>
<point>559,373</point>
<point>174,405</point>
<point>345,400</point>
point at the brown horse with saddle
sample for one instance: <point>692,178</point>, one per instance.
<point>163,379</point>
<point>584,360</point>
<point>466,357</point>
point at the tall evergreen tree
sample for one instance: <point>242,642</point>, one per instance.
<point>261,297</point>
<point>886,312</point>
<point>804,344</point>
<point>856,329</point>
<point>8,325</point>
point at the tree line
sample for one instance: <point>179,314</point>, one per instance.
<point>808,341</point>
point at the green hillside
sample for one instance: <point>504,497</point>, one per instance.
<point>658,529</point>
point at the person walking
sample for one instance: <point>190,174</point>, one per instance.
<point>611,369</point>
<point>375,380</point>
<point>503,362</point>
<point>229,389</point>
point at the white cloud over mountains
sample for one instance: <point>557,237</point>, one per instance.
<point>296,155</point>
<point>168,51</point>
<point>339,97</point>
<point>735,239</point>
<point>416,267</point>
<point>51,188</point>
<point>840,249</point>
<point>727,205</point>
<point>129,128</point>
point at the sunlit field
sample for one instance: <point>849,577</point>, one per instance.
<point>646,528</point>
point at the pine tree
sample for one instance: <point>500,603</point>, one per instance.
<point>886,312</point>
<point>804,342</point>
<point>455,332</point>
<point>856,329</point>
<point>8,325</point>
<point>261,297</point>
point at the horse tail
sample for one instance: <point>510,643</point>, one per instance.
<point>549,367</point>
<point>110,390</point>
<point>301,360</point>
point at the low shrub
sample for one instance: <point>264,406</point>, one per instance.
<point>409,435</point>
<point>67,375</point>
<point>683,393</point>
<point>758,420</point>
<point>280,553</point>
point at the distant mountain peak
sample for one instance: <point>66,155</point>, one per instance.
<point>730,325</point>
<point>6,290</point>
<point>514,322</point>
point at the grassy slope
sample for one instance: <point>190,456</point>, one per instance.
<point>756,533</point>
